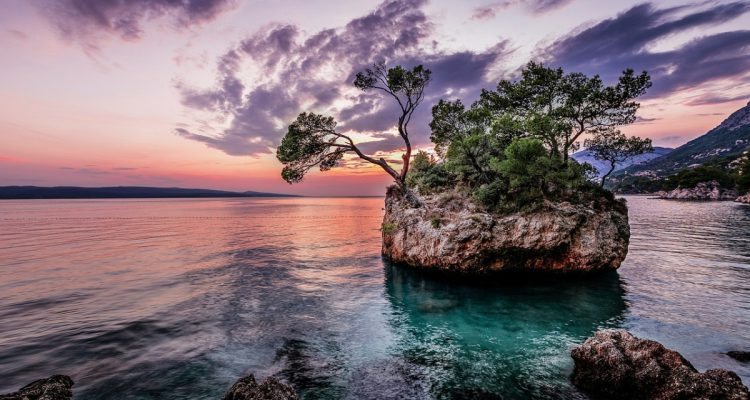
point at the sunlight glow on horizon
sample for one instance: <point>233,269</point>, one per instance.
<point>71,116</point>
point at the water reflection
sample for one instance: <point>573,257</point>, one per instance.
<point>511,339</point>
<point>152,299</point>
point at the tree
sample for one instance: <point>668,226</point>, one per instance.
<point>469,139</point>
<point>614,147</point>
<point>312,139</point>
<point>559,108</point>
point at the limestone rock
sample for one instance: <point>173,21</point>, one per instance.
<point>702,191</point>
<point>450,233</point>
<point>613,364</point>
<point>56,387</point>
<point>271,389</point>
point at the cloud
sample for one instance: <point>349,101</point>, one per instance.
<point>534,6</point>
<point>294,72</point>
<point>627,41</point>
<point>16,34</point>
<point>87,171</point>
<point>88,21</point>
<point>645,120</point>
<point>715,99</point>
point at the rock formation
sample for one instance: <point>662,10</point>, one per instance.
<point>743,199</point>
<point>613,364</point>
<point>741,356</point>
<point>450,233</point>
<point>702,191</point>
<point>56,387</point>
<point>271,389</point>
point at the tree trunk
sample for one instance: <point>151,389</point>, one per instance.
<point>604,178</point>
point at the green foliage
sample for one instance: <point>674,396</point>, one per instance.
<point>427,175</point>
<point>689,178</point>
<point>529,174</point>
<point>558,108</point>
<point>389,228</point>
<point>510,148</point>
<point>308,143</point>
<point>743,177</point>
<point>396,80</point>
<point>435,221</point>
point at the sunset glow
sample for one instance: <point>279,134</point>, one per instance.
<point>158,95</point>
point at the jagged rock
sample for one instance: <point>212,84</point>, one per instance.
<point>741,356</point>
<point>56,387</point>
<point>450,233</point>
<point>271,389</point>
<point>703,191</point>
<point>743,199</point>
<point>613,364</point>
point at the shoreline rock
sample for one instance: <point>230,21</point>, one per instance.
<point>743,199</point>
<point>704,191</point>
<point>449,233</point>
<point>56,387</point>
<point>741,356</point>
<point>614,364</point>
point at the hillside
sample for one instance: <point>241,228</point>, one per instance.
<point>122,192</point>
<point>730,138</point>
<point>603,166</point>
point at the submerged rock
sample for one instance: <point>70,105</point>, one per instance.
<point>271,389</point>
<point>450,233</point>
<point>56,387</point>
<point>741,356</point>
<point>613,364</point>
<point>743,199</point>
<point>703,191</point>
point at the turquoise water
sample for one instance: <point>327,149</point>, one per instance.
<point>140,299</point>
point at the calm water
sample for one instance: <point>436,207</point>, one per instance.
<point>178,298</point>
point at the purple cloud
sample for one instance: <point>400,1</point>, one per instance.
<point>609,46</point>
<point>534,6</point>
<point>88,20</point>
<point>314,73</point>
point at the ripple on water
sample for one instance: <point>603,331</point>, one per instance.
<point>179,298</point>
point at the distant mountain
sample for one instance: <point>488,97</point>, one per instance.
<point>730,138</point>
<point>603,166</point>
<point>119,192</point>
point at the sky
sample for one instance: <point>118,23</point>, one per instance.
<point>198,93</point>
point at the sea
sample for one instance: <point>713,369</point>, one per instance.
<point>178,298</point>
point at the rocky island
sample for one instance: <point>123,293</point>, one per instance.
<point>451,233</point>
<point>500,192</point>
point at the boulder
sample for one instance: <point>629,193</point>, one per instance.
<point>56,387</point>
<point>703,191</point>
<point>450,233</point>
<point>613,364</point>
<point>271,389</point>
<point>743,199</point>
<point>741,356</point>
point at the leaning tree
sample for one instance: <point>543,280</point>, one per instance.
<point>614,147</point>
<point>313,140</point>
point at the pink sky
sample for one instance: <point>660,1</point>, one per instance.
<point>95,102</point>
